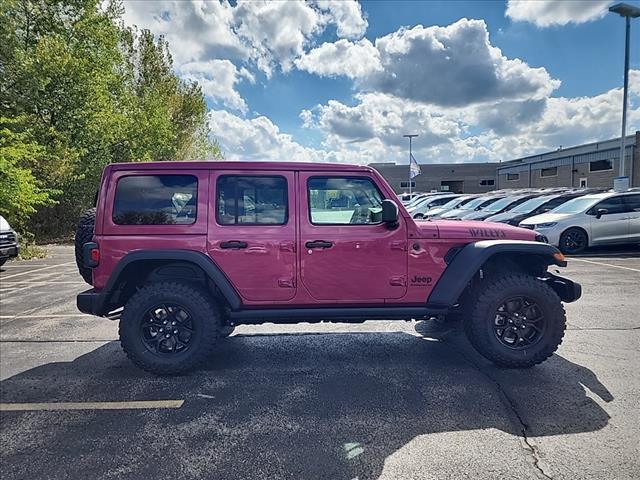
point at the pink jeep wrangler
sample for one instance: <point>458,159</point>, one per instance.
<point>180,253</point>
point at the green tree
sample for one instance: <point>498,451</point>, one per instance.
<point>89,91</point>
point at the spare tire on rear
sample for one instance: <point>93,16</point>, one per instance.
<point>84,234</point>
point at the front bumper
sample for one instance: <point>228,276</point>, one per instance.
<point>91,302</point>
<point>568,290</point>
<point>9,251</point>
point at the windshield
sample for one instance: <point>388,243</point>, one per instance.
<point>474,203</point>
<point>531,204</point>
<point>500,204</point>
<point>452,203</point>
<point>576,205</point>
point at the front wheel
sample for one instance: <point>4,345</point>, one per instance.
<point>572,241</point>
<point>517,321</point>
<point>169,328</point>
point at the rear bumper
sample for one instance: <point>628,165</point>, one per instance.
<point>568,290</point>
<point>91,302</point>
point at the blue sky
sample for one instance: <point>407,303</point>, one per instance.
<point>342,81</point>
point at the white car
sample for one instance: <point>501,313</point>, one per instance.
<point>419,211</point>
<point>597,219</point>
<point>8,242</point>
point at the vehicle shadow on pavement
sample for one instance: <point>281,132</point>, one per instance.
<point>284,406</point>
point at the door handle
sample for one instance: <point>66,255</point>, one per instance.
<point>319,244</point>
<point>235,244</point>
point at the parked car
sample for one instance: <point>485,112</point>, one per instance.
<point>407,198</point>
<point>450,205</point>
<point>473,205</point>
<point>8,242</point>
<point>596,219</point>
<point>502,205</point>
<point>432,202</point>
<point>179,276</point>
<point>533,206</point>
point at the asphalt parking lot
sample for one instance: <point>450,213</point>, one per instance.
<point>374,400</point>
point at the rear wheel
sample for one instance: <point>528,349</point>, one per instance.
<point>169,328</point>
<point>574,240</point>
<point>517,321</point>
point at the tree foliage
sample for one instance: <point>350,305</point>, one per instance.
<point>79,90</point>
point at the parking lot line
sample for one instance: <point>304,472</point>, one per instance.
<point>134,405</point>
<point>36,270</point>
<point>605,264</point>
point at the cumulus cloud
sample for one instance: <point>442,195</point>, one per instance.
<point>545,13</point>
<point>218,79</point>
<point>354,60</point>
<point>347,16</point>
<point>453,66</point>
<point>257,139</point>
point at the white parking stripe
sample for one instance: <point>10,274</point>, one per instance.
<point>135,405</point>
<point>604,264</point>
<point>36,270</point>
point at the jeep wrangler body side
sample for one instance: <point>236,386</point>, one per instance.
<point>287,242</point>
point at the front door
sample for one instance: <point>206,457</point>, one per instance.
<point>252,232</point>
<point>612,226</point>
<point>347,255</point>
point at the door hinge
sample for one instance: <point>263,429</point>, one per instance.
<point>287,247</point>
<point>287,282</point>
<point>398,281</point>
<point>399,245</point>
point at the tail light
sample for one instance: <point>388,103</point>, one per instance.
<point>91,252</point>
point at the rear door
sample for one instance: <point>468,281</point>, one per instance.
<point>347,255</point>
<point>252,232</point>
<point>611,227</point>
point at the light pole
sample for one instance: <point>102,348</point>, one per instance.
<point>628,12</point>
<point>410,137</point>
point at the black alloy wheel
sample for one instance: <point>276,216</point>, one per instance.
<point>519,323</point>
<point>167,329</point>
<point>573,241</point>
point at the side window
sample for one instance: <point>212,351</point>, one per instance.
<point>343,201</point>
<point>156,200</point>
<point>612,205</point>
<point>251,200</point>
<point>631,203</point>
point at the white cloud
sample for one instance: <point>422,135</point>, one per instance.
<point>347,16</point>
<point>453,65</point>
<point>218,79</point>
<point>257,139</point>
<point>545,13</point>
<point>343,57</point>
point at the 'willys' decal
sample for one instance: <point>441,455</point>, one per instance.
<point>487,233</point>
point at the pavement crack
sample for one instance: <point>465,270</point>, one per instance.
<point>512,407</point>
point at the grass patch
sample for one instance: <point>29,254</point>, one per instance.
<point>29,251</point>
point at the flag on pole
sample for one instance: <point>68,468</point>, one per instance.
<point>414,168</point>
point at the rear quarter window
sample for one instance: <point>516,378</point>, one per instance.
<point>156,200</point>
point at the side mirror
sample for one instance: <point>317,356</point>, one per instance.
<point>390,213</point>
<point>600,212</point>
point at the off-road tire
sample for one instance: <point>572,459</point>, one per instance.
<point>84,234</point>
<point>226,331</point>
<point>580,236</point>
<point>206,322</point>
<point>3,261</point>
<point>489,295</point>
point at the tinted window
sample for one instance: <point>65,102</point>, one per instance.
<point>156,200</point>
<point>549,172</point>
<point>251,200</point>
<point>612,205</point>
<point>344,201</point>
<point>600,165</point>
<point>631,203</point>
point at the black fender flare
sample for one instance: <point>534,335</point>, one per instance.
<point>208,266</point>
<point>470,258</point>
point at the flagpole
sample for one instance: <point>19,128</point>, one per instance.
<point>410,137</point>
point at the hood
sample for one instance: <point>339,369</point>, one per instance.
<point>4,225</point>
<point>547,217</point>
<point>471,230</point>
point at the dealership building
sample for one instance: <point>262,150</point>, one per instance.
<point>590,165</point>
